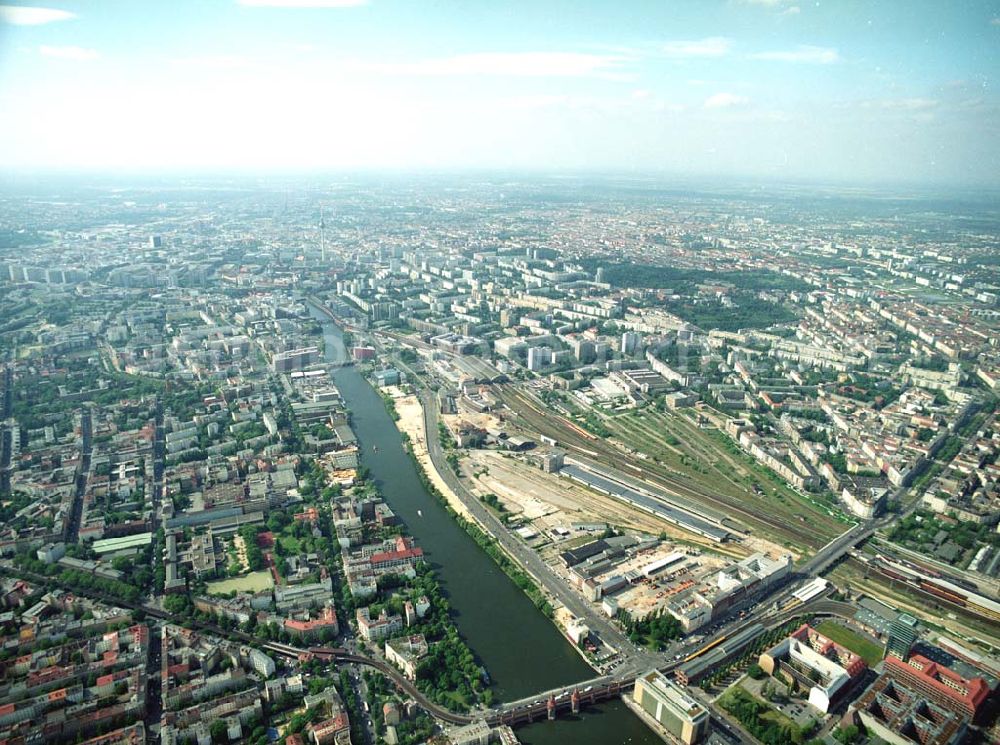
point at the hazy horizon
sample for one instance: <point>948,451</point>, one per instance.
<point>842,94</point>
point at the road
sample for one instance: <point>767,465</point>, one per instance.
<point>361,691</point>
<point>76,513</point>
<point>523,555</point>
<point>156,493</point>
<point>8,392</point>
<point>154,683</point>
<point>7,433</point>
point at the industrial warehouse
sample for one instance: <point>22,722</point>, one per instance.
<point>656,505</point>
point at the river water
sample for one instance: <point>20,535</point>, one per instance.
<point>522,650</point>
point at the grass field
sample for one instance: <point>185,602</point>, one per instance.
<point>732,698</point>
<point>253,582</point>
<point>870,651</point>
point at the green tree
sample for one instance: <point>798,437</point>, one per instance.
<point>218,731</point>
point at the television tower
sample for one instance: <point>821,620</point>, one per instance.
<point>322,236</point>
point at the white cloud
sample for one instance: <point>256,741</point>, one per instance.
<point>22,15</point>
<point>519,64</point>
<point>995,21</point>
<point>712,46</point>
<point>902,104</point>
<point>303,3</point>
<point>803,53</point>
<point>215,62</point>
<point>540,101</point>
<point>77,54</point>
<point>768,3</point>
<point>792,10</point>
<point>725,100</point>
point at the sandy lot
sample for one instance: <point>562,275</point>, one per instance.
<point>411,421</point>
<point>253,582</point>
<point>548,500</point>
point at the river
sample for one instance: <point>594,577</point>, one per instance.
<point>521,648</point>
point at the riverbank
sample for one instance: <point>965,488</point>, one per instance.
<point>411,423</point>
<point>481,533</point>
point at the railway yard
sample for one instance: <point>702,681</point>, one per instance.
<point>707,484</point>
<point>552,503</point>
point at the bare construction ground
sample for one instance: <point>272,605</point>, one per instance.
<point>550,501</point>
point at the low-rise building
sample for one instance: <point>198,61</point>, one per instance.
<point>406,653</point>
<point>827,669</point>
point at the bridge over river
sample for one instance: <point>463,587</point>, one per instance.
<point>565,698</point>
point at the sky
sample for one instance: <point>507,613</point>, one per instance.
<point>838,91</point>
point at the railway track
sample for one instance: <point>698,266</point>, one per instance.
<point>610,456</point>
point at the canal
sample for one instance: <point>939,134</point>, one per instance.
<point>522,650</point>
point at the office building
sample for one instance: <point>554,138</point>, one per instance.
<point>902,634</point>
<point>921,702</point>
<point>295,359</point>
<point>671,707</point>
<point>899,715</point>
<point>940,684</point>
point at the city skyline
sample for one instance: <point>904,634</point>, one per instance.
<point>766,89</point>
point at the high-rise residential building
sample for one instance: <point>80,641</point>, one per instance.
<point>583,350</point>
<point>539,358</point>
<point>671,707</point>
<point>903,633</point>
<point>630,343</point>
<point>261,663</point>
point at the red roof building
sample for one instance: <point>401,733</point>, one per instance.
<point>310,515</point>
<point>940,684</point>
<point>405,554</point>
<point>313,626</point>
<point>324,732</point>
